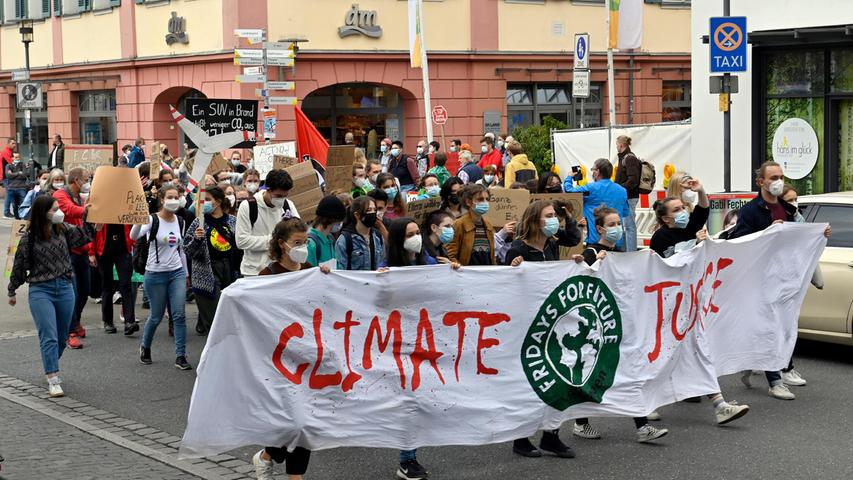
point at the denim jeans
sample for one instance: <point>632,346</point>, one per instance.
<point>631,226</point>
<point>406,455</point>
<point>167,288</point>
<point>8,199</point>
<point>14,198</point>
<point>82,281</point>
<point>52,304</point>
<point>773,378</point>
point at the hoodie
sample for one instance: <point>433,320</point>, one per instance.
<point>518,162</point>
<point>254,240</point>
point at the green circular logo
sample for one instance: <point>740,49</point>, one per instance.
<point>571,351</point>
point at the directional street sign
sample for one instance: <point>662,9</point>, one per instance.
<point>580,84</point>
<point>280,62</point>
<point>581,51</point>
<point>253,35</point>
<point>20,75</point>
<point>29,95</point>
<point>278,45</point>
<point>281,85</point>
<point>253,71</point>
<point>248,53</point>
<point>248,61</point>
<point>282,100</point>
<point>728,42</point>
<point>250,79</point>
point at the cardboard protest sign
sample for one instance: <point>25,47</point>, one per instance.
<point>18,229</point>
<point>506,205</point>
<point>155,161</point>
<point>306,192</point>
<point>575,203</point>
<point>217,164</point>
<point>339,179</point>
<point>419,209</point>
<point>89,157</point>
<point>265,155</point>
<point>117,197</point>
<point>340,156</point>
<point>282,161</point>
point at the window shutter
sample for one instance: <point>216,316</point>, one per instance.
<point>70,7</point>
<point>101,4</point>
<point>36,9</point>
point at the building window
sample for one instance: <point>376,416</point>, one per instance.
<point>529,104</point>
<point>97,117</point>
<point>38,127</point>
<point>676,101</point>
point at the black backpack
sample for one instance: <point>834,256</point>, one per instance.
<point>524,175</point>
<point>140,254</point>
<point>253,210</point>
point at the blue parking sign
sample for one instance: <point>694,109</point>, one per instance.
<point>728,44</point>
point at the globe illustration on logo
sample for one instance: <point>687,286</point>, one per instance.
<point>574,344</point>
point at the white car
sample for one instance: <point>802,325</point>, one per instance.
<point>827,315</point>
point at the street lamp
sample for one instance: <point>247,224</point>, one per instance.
<point>26,29</point>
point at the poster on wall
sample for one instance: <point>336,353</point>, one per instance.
<point>216,116</point>
<point>392,128</point>
<point>795,147</point>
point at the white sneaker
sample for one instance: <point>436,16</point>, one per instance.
<point>653,417</point>
<point>746,378</point>
<point>781,392</point>
<point>793,378</point>
<point>585,431</point>
<point>263,469</point>
<point>55,390</point>
<point>729,412</point>
<point>648,433</point>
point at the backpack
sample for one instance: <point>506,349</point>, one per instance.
<point>253,210</point>
<point>140,254</point>
<point>647,177</point>
<point>524,175</point>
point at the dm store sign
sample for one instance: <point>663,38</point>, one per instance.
<point>795,147</point>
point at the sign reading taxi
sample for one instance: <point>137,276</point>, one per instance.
<point>728,44</point>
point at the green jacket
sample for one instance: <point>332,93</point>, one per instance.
<point>441,173</point>
<point>321,247</point>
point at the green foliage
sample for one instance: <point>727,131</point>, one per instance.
<point>536,140</point>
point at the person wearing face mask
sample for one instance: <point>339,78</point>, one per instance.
<point>137,153</point>
<point>381,200</point>
<point>237,162</point>
<point>71,202</point>
<point>165,275</point>
<point>41,187</point>
<point>678,189</point>
<point>258,216</point>
<point>437,233</point>
<point>328,222</point>
<point>451,197</point>
<point>43,260</point>
<point>422,158</point>
<point>453,150</point>
<point>766,209</point>
<point>490,177</point>
<point>384,153</point>
<point>473,236</point>
<point>17,183</point>
<point>396,207</point>
<point>550,183</point>
<point>602,191</point>
<point>440,168</point>
<point>470,171</point>
<point>677,227</point>
<point>361,245</point>
<point>489,155</point>
<point>360,184</point>
<point>403,167</point>
<point>372,171</point>
<point>507,155</point>
<point>231,196</point>
<point>430,187</point>
<point>406,245</point>
<point>519,168</point>
<point>211,253</point>
<point>252,180</point>
<point>113,248</point>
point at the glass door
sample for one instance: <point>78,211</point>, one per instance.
<point>843,111</point>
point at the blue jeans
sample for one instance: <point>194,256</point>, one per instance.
<point>14,198</point>
<point>631,226</point>
<point>773,378</point>
<point>6,202</point>
<point>166,288</point>
<point>406,455</point>
<point>52,304</point>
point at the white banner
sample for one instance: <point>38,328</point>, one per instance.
<point>427,356</point>
<point>264,155</point>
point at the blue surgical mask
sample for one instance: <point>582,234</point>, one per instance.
<point>208,208</point>
<point>336,227</point>
<point>681,219</point>
<point>446,235</point>
<point>392,193</point>
<point>453,149</point>
<point>613,234</point>
<point>481,208</point>
<point>552,224</point>
<point>488,178</point>
<point>433,191</point>
<point>383,148</point>
<point>395,152</point>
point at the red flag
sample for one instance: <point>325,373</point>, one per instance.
<point>309,141</point>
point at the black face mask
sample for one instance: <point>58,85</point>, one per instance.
<point>369,220</point>
<point>554,189</point>
<point>453,198</point>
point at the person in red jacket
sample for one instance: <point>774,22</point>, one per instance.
<point>72,202</point>
<point>490,155</point>
<point>112,248</point>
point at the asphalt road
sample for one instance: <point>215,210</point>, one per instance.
<point>808,437</point>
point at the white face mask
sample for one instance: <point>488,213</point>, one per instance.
<point>57,217</point>
<point>252,187</point>
<point>183,202</point>
<point>172,204</point>
<point>420,150</point>
<point>413,244</point>
<point>232,199</point>
<point>86,187</point>
<point>58,185</point>
<point>776,187</point>
<point>278,202</point>
<point>689,196</point>
<point>298,254</point>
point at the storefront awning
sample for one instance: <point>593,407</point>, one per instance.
<point>806,35</point>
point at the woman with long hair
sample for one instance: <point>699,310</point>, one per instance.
<point>473,236</point>
<point>43,260</point>
<point>678,188</point>
<point>211,251</point>
<point>549,182</point>
<point>405,245</point>
<point>451,197</point>
<point>437,233</point>
<point>361,244</point>
<point>396,207</point>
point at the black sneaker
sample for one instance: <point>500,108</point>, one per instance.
<point>182,364</point>
<point>525,448</point>
<point>144,355</point>
<point>146,306</point>
<point>412,470</point>
<point>551,443</point>
<point>130,327</point>
<point>110,328</point>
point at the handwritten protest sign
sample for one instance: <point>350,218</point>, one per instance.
<point>217,164</point>
<point>506,205</point>
<point>340,156</point>
<point>339,179</point>
<point>219,115</point>
<point>117,197</point>
<point>89,157</point>
<point>265,155</point>
<point>282,161</point>
<point>419,209</point>
<point>306,193</point>
<point>18,229</point>
<point>155,161</point>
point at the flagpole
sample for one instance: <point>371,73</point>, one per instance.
<point>611,99</point>
<point>425,73</point>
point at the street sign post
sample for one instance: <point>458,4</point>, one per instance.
<point>581,51</point>
<point>728,44</point>
<point>580,71</point>
<point>439,117</point>
<point>29,95</point>
<point>580,84</point>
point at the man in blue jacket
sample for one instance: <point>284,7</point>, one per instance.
<point>137,153</point>
<point>602,192</point>
<point>766,209</point>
